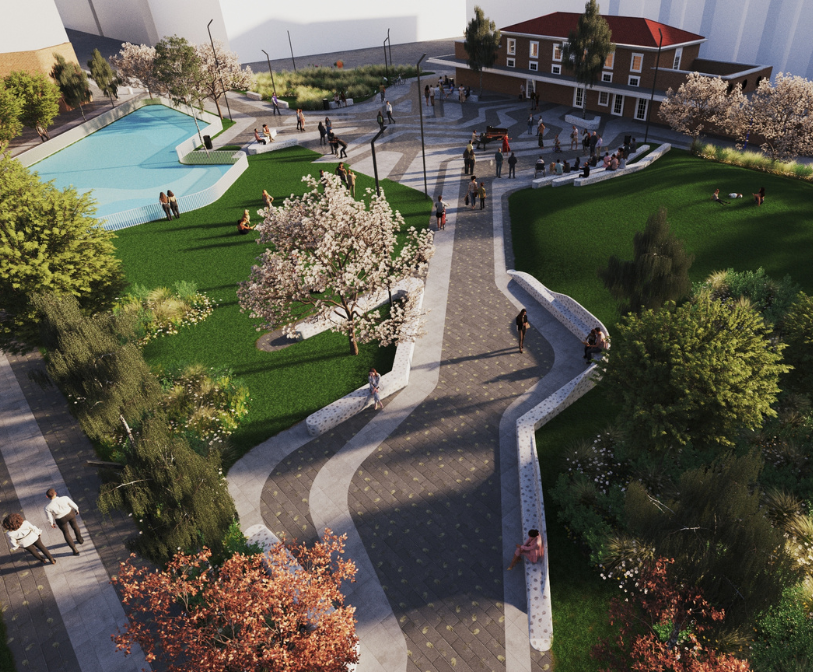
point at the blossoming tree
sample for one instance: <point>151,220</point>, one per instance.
<point>330,253</point>
<point>699,102</point>
<point>135,66</point>
<point>221,74</point>
<point>282,610</point>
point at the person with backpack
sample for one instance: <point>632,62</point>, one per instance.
<point>380,120</point>
<point>440,212</point>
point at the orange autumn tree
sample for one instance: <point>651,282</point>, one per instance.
<point>282,611</point>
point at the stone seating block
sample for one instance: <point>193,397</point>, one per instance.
<point>257,148</point>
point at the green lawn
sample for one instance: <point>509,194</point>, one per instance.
<point>580,597</point>
<point>563,236</point>
<point>285,386</point>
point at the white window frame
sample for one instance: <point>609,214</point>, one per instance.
<point>637,79</point>
<point>632,63</point>
<point>557,46</point>
<point>607,77</point>
<point>533,49</point>
<point>617,97</point>
<point>678,57</point>
<point>606,96</point>
<point>576,96</point>
<point>511,62</point>
<point>511,47</point>
<point>533,65</point>
<point>612,61</point>
<point>638,109</point>
<point>556,69</point>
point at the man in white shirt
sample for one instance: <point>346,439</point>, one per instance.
<point>62,511</point>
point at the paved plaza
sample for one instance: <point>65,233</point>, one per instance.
<point>426,490</point>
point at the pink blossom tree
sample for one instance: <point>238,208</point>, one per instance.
<point>699,103</point>
<point>330,254</point>
<point>135,66</point>
<point>221,74</point>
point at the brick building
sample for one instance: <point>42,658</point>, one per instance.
<point>530,56</point>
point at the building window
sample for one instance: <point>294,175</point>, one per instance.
<point>637,63</point>
<point>603,98</point>
<point>608,64</point>
<point>556,69</point>
<point>634,81</point>
<point>578,98</point>
<point>534,49</point>
<point>676,61</point>
<point>533,65</point>
<point>512,46</point>
<point>641,109</point>
<point>510,62</point>
<point>618,105</point>
<point>606,76</point>
<point>557,52</point>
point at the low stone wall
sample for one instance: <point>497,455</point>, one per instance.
<point>258,148</point>
<point>589,124</point>
<point>349,405</point>
<point>634,168</point>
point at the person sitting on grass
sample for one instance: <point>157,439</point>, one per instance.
<point>532,550</point>
<point>759,197</point>
<point>716,198</point>
<point>243,226</point>
<point>259,138</point>
<point>735,195</point>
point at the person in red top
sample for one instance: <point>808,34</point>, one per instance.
<point>505,146</point>
<point>532,550</point>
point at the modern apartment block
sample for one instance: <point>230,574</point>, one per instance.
<point>530,57</point>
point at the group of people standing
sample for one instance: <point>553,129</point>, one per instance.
<point>169,204</point>
<point>338,147</point>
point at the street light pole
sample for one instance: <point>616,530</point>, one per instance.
<point>420,107</point>
<point>375,165</point>
<point>217,65</point>
<point>270,71</point>
<point>385,63</point>
<point>654,80</point>
<point>292,49</point>
<point>389,42</point>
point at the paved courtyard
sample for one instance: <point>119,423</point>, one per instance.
<point>426,490</point>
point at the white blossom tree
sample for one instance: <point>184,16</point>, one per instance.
<point>135,66</point>
<point>223,72</point>
<point>330,253</point>
<point>698,103</point>
<point>780,113</point>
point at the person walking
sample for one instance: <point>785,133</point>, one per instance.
<point>522,326</point>
<point>328,125</point>
<point>512,166</point>
<point>440,212</point>
<point>380,120</point>
<point>498,159</point>
<point>426,94</point>
<point>472,161</point>
<point>482,194</point>
<point>531,124</point>
<point>540,133</point>
<point>522,92</point>
<point>268,199</point>
<point>164,201</point>
<point>374,379</point>
<point>574,138</point>
<point>593,143</point>
<point>431,95</point>
<point>173,204</point>
<point>342,173</point>
<point>22,534</point>
<point>585,142</point>
<point>275,104</point>
<point>343,145</point>
<point>334,143</point>
<point>389,112</point>
<point>351,182</point>
<point>467,159</point>
<point>382,91</point>
<point>42,132</point>
<point>472,192</point>
<point>532,550</point>
<point>322,134</point>
<point>61,512</point>
<point>599,145</point>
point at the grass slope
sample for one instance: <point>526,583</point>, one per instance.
<point>563,236</point>
<point>287,385</point>
<point>580,598</point>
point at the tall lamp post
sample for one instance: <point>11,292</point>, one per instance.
<point>654,80</point>
<point>375,165</point>
<point>270,71</point>
<point>217,65</point>
<point>292,49</point>
<point>420,107</point>
<point>386,67</point>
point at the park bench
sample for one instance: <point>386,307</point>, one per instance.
<point>258,148</point>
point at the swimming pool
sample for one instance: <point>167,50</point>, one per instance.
<point>129,162</point>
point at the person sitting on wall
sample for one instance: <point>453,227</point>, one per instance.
<point>566,167</point>
<point>559,168</point>
<point>259,138</point>
<point>577,164</point>
<point>267,133</point>
<point>594,160</point>
<point>613,163</point>
<point>586,169</point>
<point>606,160</point>
<point>532,550</point>
<point>598,345</point>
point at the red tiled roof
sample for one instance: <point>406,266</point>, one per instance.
<point>626,29</point>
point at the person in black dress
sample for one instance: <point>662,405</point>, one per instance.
<point>522,327</point>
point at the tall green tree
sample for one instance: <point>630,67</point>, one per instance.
<point>10,110</point>
<point>716,530</point>
<point>588,46</point>
<point>798,335</point>
<point>658,272</point>
<point>38,96</point>
<point>104,76</point>
<point>49,241</point>
<point>696,374</point>
<point>177,68</point>
<point>179,499</point>
<point>103,374</point>
<point>482,43</point>
<point>72,82</point>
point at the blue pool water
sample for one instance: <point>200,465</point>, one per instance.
<point>128,163</point>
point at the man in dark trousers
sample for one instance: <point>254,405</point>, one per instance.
<point>62,511</point>
<point>593,142</point>
<point>380,120</point>
<point>512,166</point>
<point>389,112</point>
<point>343,145</point>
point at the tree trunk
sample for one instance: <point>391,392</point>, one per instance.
<point>82,110</point>
<point>195,117</point>
<point>217,105</point>
<point>354,347</point>
<point>481,85</point>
